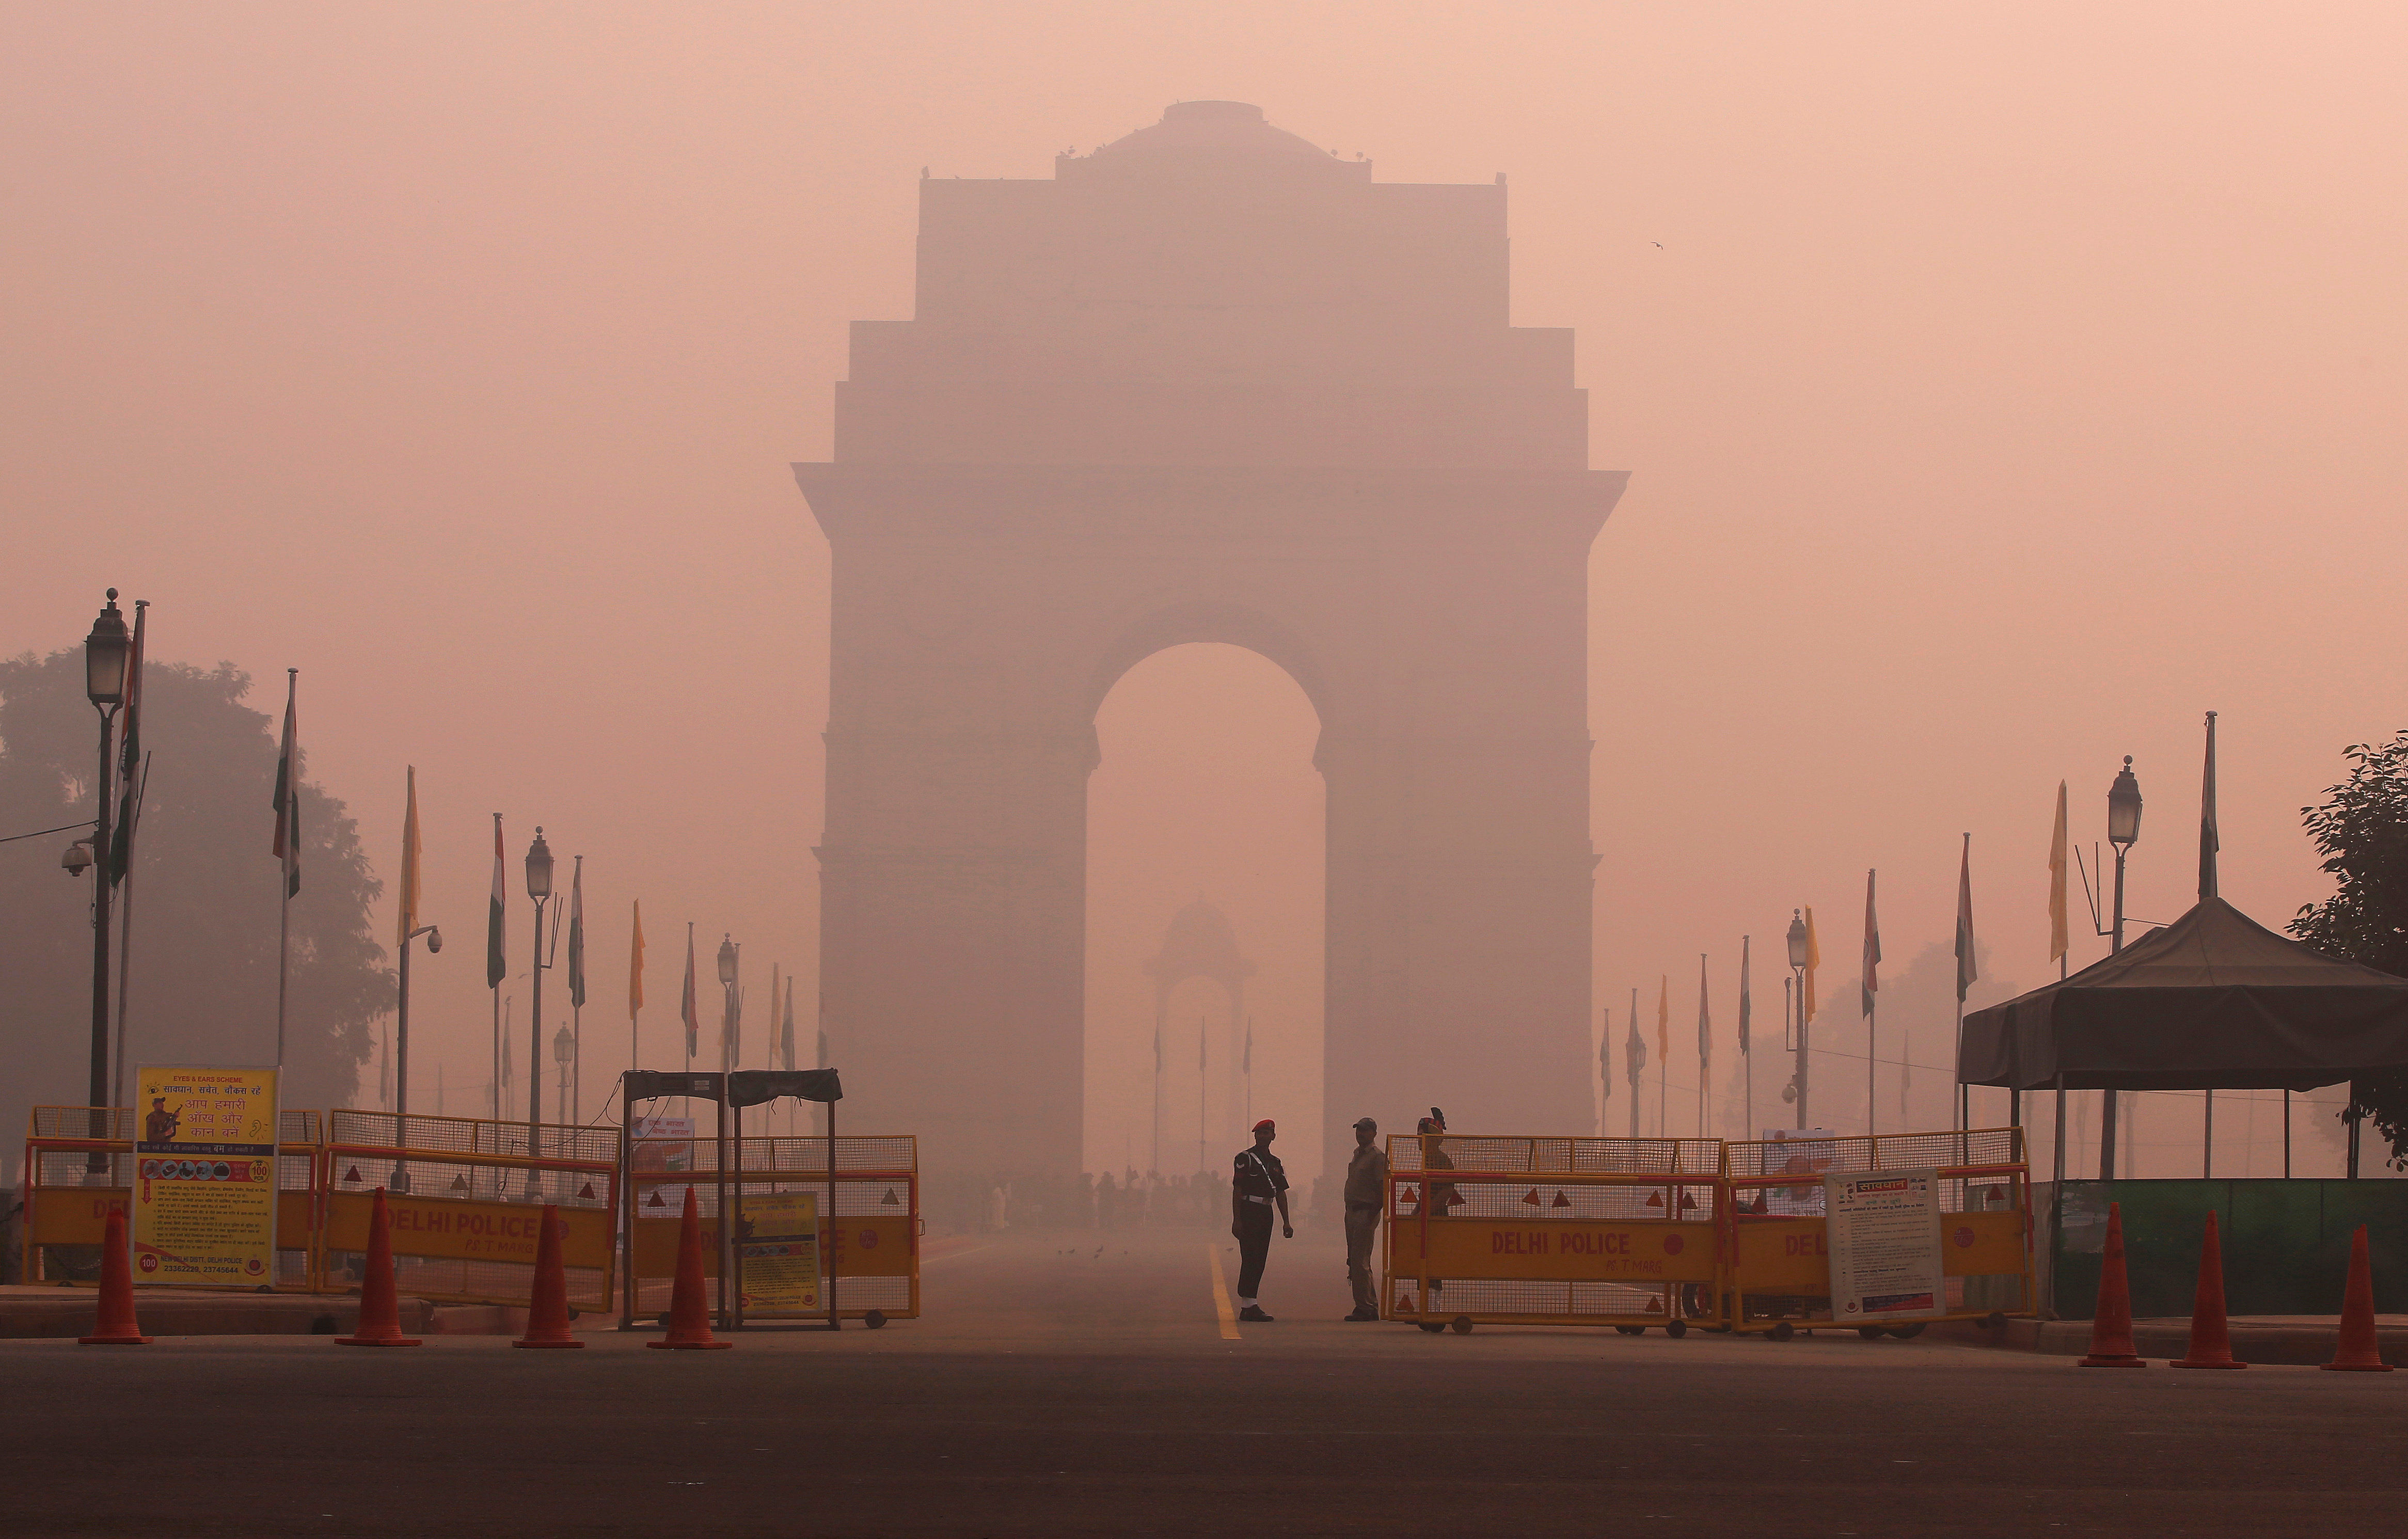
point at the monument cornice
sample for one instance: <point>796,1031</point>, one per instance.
<point>892,499</point>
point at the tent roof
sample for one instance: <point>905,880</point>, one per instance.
<point>2213,1001</point>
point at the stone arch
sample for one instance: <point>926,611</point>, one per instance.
<point>1206,384</point>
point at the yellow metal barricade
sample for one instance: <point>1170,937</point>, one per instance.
<point>80,1164</point>
<point>1780,1268</point>
<point>1602,1231</point>
<point>464,1196</point>
<point>869,1235</point>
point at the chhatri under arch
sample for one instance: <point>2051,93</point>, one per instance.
<point>1199,944</point>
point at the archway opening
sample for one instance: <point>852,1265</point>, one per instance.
<point>1204,804</point>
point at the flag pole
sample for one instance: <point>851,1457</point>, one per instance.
<point>635,996</point>
<point>1872,1039</point>
<point>2059,942</point>
<point>289,826</point>
<point>1635,1067</point>
<point>1203,1092</point>
<point>128,745</point>
<point>1154,1160</point>
<point>1789,995</point>
<point>125,908</point>
<point>1704,1056</point>
<point>1870,993</point>
<point>1663,1071</point>
<point>577,995</point>
<point>1746,1038</point>
<point>1604,1068</point>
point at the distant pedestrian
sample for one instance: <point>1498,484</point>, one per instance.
<point>1257,1184</point>
<point>1366,1198</point>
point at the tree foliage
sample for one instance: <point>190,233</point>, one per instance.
<point>2361,829</point>
<point>205,885</point>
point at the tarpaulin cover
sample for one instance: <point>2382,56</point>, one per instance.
<point>2212,1001</point>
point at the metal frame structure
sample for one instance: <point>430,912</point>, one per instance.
<point>1779,1282</point>
<point>1627,1232</point>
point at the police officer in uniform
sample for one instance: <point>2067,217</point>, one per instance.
<point>1366,1198</point>
<point>1257,1184</point>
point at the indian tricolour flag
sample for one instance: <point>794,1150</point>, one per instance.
<point>495,970</point>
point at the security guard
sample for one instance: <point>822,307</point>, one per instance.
<point>1257,1184</point>
<point>1366,1198</point>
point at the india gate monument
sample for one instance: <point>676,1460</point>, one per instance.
<point>1208,384</point>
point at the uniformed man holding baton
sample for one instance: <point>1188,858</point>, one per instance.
<point>1257,1184</point>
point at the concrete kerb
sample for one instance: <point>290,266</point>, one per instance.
<point>2303,1340</point>
<point>41,1312</point>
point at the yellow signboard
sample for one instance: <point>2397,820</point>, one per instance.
<point>205,1178</point>
<point>778,1253</point>
<point>1568,1250</point>
<point>468,1230</point>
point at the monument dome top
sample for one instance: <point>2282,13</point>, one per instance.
<point>1191,130</point>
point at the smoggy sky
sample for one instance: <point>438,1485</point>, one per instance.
<point>2001,387</point>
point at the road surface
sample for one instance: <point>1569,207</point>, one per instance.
<point>1091,1384</point>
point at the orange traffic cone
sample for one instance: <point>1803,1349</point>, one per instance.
<point>689,1315</point>
<point>113,1325</point>
<point>379,1306</point>
<point>2111,1328</point>
<point>2359,1352</point>
<point>2211,1336</point>
<point>547,1303</point>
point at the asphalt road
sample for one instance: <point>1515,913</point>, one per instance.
<point>1051,1389</point>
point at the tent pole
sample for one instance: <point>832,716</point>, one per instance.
<point>2056,1160</point>
<point>2207,1141</point>
<point>2287,1134</point>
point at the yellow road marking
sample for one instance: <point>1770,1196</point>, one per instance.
<point>1220,1296</point>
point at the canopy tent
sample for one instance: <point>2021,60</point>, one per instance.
<point>2212,1001</point>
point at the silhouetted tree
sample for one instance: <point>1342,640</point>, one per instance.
<point>203,985</point>
<point>2361,829</point>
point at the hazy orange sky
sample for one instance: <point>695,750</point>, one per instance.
<point>2001,387</point>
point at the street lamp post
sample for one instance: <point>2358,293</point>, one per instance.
<point>2123,831</point>
<point>106,653</point>
<point>401,1048</point>
<point>728,957</point>
<point>539,881</point>
<point>1798,967</point>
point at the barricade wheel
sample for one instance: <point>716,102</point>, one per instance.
<point>1871,1332</point>
<point>1676,1328</point>
<point>1433,1326</point>
<point>1462,1324</point>
<point>1995,1320</point>
<point>1907,1332</point>
<point>1632,1330</point>
<point>1780,1331</point>
<point>874,1319</point>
